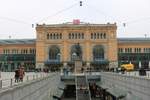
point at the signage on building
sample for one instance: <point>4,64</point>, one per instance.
<point>76,21</point>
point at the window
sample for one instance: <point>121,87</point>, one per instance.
<point>82,35</point>
<point>91,35</point>
<point>98,53</point>
<point>120,50</point>
<point>51,37</point>
<point>79,35</point>
<point>69,35</point>
<point>104,35</point>
<point>47,36</point>
<point>75,35</point>
<point>60,35</point>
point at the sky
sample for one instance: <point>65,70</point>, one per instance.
<point>17,16</point>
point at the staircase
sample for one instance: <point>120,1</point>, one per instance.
<point>78,66</point>
<point>82,88</point>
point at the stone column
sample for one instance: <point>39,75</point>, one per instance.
<point>140,65</point>
<point>87,51</point>
<point>65,51</point>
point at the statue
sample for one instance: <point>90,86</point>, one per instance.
<point>78,50</point>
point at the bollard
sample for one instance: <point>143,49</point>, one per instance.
<point>33,77</point>
<point>11,82</point>
<point>27,78</point>
<point>1,84</point>
<point>135,73</point>
<point>36,76</point>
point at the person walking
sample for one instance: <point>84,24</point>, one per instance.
<point>21,74</point>
<point>17,75</point>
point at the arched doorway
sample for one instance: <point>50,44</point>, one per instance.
<point>54,53</point>
<point>53,62</point>
<point>99,61</point>
<point>98,53</point>
<point>76,52</point>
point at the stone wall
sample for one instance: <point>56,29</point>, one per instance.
<point>40,89</point>
<point>138,86</point>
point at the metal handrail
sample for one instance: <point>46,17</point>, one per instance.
<point>88,86</point>
<point>6,83</point>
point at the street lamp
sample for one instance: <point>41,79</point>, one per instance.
<point>58,56</point>
<point>74,55</point>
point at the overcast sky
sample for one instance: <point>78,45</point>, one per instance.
<point>17,16</point>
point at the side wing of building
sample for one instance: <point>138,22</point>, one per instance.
<point>17,52</point>
<point>135,51</point>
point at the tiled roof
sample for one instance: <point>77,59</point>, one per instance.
<point>32,41</point>
<point>17,41</point>
<point>133,40</point>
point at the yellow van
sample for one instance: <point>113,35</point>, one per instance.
<point>127,67</point>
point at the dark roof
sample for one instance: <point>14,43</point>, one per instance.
<point>133,40</point>
<point>17,41</point>
<point>32,41</point>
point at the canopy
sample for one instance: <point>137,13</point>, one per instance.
<point>116,92</point>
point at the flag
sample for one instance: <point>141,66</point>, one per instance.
<point>76,21</point>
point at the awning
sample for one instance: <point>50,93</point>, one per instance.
<point>133,97</point>
<point>116,92</point>
<point>52,62</point>
<point>61,86</point>
<point>102,85</point>
<point>99,62</point>
<point>57,93</point>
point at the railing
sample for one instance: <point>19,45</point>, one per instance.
<point>136,85</point>
<point>6,83</point>
<point>89,92</point>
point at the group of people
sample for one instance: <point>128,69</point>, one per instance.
<point>19,74</point>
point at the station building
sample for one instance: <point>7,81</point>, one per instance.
<point>58,45</point>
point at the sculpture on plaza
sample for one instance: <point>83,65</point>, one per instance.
<point>78,51</point>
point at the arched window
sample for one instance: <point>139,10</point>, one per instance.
<point>94,35</point>
<point>76,35</point>
<point>101,35</point>
<point>79,35</point>
<point>97,35</point>
<point>72,35</point>
<point>69,35</point>
<point>82,35</point>
<point>60,35</point>
<point>57,36</point>
<point>54,36</point>
<point>104,35</point>
<point>54,53</point>
<point>91,35</point>
<point>98,53</point>
<point>47,36</point>
<point>76,52</point>
<point>50,36</point>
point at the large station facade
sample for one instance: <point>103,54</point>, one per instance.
<point>58,45</point>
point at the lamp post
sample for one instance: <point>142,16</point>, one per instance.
<point>74,56</point>
<point>58,56</point>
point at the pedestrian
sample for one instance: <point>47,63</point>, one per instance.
<point>21,74</point>
<point>17,75</point>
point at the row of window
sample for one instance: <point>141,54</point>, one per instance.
<point>135,50</point>
<point>54,36</point>
<point>98,35</point>
<point>22,51</point>
<point>76,35</point>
